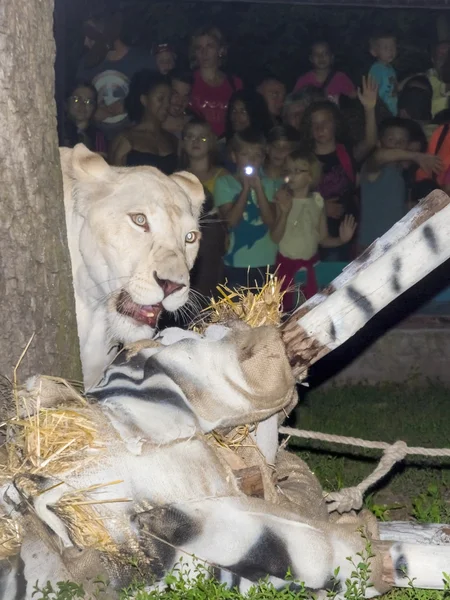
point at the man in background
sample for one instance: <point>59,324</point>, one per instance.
<point>109,65</point>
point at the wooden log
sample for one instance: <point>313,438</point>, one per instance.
<point>409,251</point>
<point>415,533</point>
<point>250,481</point>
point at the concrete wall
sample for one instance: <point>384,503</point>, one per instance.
<point>416,352</point>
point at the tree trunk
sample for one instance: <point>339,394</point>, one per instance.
<point>36,293</point>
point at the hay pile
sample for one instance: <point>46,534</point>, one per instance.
<point>254,306</point>
<point>54,432</point>
<point>48,441</point>
<point>10,537</point>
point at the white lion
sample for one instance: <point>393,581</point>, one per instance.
<point>133,237</point>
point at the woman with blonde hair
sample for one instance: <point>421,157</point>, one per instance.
<point>212,87</point>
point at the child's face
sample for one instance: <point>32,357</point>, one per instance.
<point>165,61</point>
<point>298,175</point>
<point>440,55</point>
<point>249,155</point>
<point>385,49</point>
<point>179,98</point>
<point>207,51</point>
<point>240,119</point>
<point>197,141</point>
<point>81,104</point>
<point>395,138</point>
<point>321,57</point>
<point>274,93</point>
<point>278,151</point>
<point>294,114</point>
<point>323,127</point>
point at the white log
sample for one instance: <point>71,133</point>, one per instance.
<point>409,251</point>
<point>416,533</point>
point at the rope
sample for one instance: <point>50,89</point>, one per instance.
<point>353,498</point>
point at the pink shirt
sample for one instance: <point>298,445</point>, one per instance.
<point>339,85</point>
<point>211,103</point>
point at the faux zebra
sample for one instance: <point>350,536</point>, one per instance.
<point>154,409</point>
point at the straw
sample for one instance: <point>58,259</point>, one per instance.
<point>255,306</point>
<point>85,525</point>
<point>9,537</point>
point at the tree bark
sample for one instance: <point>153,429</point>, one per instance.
<point>36,292</point>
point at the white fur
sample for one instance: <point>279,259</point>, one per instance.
<point>110,253</point>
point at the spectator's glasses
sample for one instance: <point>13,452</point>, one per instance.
<point>195,138</point>
<point>80,100</point>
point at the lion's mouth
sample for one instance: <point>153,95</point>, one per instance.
<point>146,314</point>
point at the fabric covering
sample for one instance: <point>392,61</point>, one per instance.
<point>177,422</point>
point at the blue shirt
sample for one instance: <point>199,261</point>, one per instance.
<point>250,242</point>
<point>386,78</point>
<point>383,203</point>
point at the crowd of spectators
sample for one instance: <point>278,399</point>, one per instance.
<point>291,178</point>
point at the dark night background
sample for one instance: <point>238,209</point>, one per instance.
<point>260,35</point>
<point>275,36</point>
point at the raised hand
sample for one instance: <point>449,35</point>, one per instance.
<point>347,228</point>
<point>254,182</point>
<point>283,199</point>
<point>430,163</point>
<point>368,93</point>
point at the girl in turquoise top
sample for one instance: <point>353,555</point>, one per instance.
<point>244,201</point>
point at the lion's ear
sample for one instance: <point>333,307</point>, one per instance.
<point>191,185</point>
<point>80,164</point>
<point>84,172</point>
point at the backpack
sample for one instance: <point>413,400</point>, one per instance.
<point>327,81</point>
<point>346,162</point>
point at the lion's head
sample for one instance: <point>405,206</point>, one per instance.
<point>137,237</point>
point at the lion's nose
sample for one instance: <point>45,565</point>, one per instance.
<point>168,286</point>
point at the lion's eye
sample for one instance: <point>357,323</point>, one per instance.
<point>140,220</point>
<point>192,237</point>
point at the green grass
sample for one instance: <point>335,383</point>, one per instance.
<point>383,413</point>
<point>179,586</point>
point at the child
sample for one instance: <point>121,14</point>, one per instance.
<point>198,156</point>
<point>281,141</point>
<point>79,126</point>
<point>244,201</point>
<point>322,133</point>
<point>324,76</point>
<point>440,89</point>
<point>212,87</point>
<point>383,187</point>
<point>165,58</point>
<point>383,47</point>
<point>301,224</point>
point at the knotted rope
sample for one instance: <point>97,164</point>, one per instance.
<point>352,498</point>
